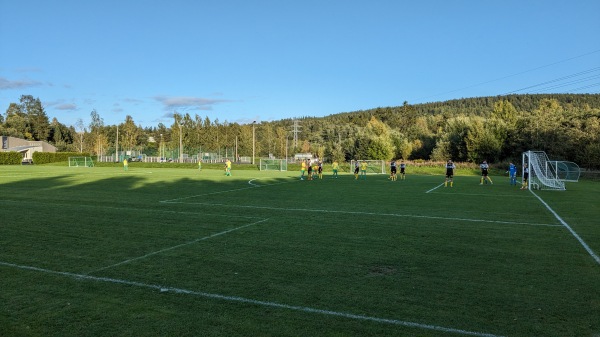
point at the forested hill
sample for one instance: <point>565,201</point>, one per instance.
<point>477,106</point>
<point>497,129</point>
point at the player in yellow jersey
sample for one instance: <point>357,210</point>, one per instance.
<point>363,169</point>
<point>334,167</point>
<point>302,169</point>
<point>227,167</point>
<point>125,165</point>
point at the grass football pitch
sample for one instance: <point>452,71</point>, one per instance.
<point>182,252</point>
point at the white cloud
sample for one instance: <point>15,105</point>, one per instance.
<point>198,103</point>
<point>6,84</point>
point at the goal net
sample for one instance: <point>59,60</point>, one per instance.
<point>273,165</point>
<point>81,162</point>
<point>542,174</point>
<point>373,166</point>
<point>566,170</point>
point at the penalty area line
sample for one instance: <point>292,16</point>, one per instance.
<point>316,210</point>
<point>177,246</point>
<point>435,188</point>
<point>238,299</point>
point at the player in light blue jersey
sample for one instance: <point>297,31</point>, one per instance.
<point>512,173</point>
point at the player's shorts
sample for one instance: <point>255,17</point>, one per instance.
<point>320,170</point>
<point>484,173</point>
<point>402,170</point>
<point>525,176</point>
<point>356,170</point>
<point>393,169</point>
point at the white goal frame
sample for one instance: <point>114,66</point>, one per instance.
<point>374,166</point>
<point>542,174</point>
<point>81,162</point>
<point>273,164</point>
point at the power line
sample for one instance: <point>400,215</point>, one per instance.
<point>556,80</point>
<point>512,75</point>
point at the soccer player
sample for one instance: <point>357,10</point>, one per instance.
<point>402,170</point>
<point>125,165</point>
<point>449,173</point>
<point>393,170</point>
<point>315,169</point>
<point>309,169</point>
<point>356,168</point>
<point>199,164</point>
<point>227,167</point>
<point>484,173</point>
<point>334,167</point>
<point>320,169</point>
<point>525,178</point>
<point>363,169</point>
<point>302,169</point>
<point>512,173</point>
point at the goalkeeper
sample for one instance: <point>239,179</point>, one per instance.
<point>512,173</point>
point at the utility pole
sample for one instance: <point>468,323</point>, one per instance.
<point>296,131</point>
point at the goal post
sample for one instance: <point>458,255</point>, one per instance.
<point>273,164</point>
<point>542,174</point>
<point>373,166</point>
<point>81,162</point>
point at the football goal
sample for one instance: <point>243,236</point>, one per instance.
<point>542,174</point>
<point>273,164</point>
<point>81,162</point>
<point>373,166</point>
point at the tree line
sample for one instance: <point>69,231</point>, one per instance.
<point>496,129</point>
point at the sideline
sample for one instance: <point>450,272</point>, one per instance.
<point>238,299</point>
<point>566,225</point>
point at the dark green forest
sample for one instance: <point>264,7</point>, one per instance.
<point>496,129</point>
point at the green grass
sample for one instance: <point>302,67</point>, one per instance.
<point>182,252</point>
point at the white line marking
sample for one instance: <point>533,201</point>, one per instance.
<point>250,182</point>
<point>200,195</point>
<point>487,195</point>
<point>435,188</point>
<point>566,225</point>
<point>163,289</point>
<point>367,213</point>
<point>136,209</point>
<point>177,246</point>
<point>226,191</point>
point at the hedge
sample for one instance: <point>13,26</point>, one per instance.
<point>10,158</point>
<point>53,157</point>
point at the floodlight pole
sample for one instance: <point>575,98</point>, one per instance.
<point>180,144</point>
<point>253,141</point>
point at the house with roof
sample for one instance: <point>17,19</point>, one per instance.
<point>25,147</point>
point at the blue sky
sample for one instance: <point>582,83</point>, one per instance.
<point>245,60</point>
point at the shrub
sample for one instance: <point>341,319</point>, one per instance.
<point>10,158</point>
